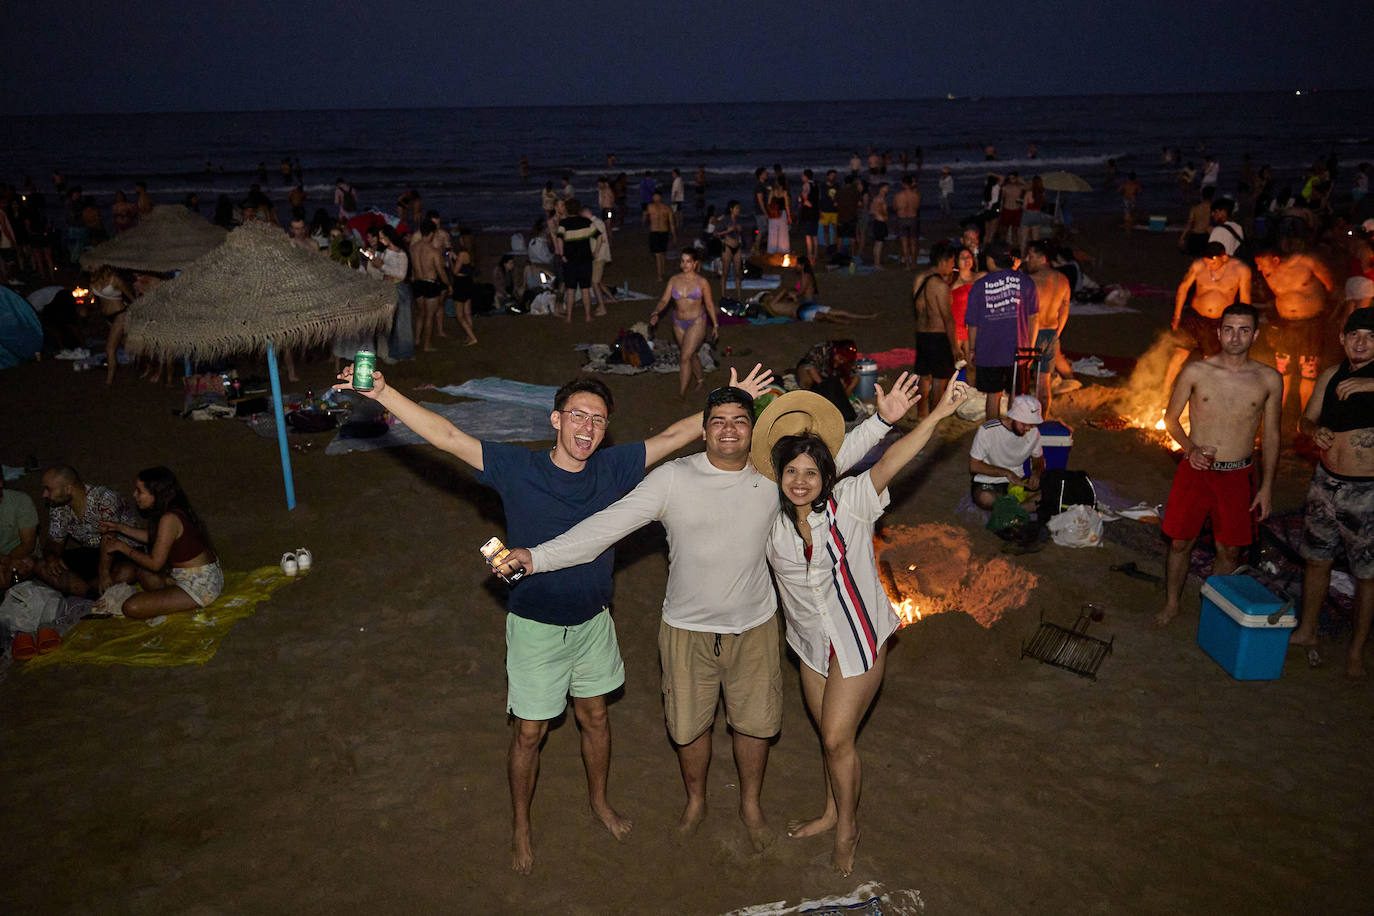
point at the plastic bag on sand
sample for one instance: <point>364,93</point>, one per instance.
<point>1077,526</point>
<point>28,606</point>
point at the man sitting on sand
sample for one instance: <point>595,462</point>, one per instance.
<point>1001,449</point>
<point>560,639</point>
<point>1216,280</point>
<point>1227,396</point>
<point>720,627</point>
<point>1301,285</point>
<point>71,553</point>
<point>1340,501</point>
<point>18,534</point>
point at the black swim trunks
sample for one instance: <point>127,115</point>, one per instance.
<point>933,355</point>
<point>658,242</point>
<point>1196,332</point>
<point>993,379</point>
<point>578,274</point>
<point>879,230</point>
<point>427,289</point>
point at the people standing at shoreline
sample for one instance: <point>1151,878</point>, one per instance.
<point>732,245</point>
<point>690,296</point>
<point>906,205</point>
<point>779,217</point>
<point>829,216</point>
<point>575,241</point>
<point>808,212</point>
<point>677,193</point>
<point>1340,500</point>
<point>345,199</point>
<point>1130,191</point>
<point>946,192</point>
<point>429,284</point>
<point>761,192</point>
<point>847,203</point>
<point>1009,217</point>
<point>659,218</point>
<point>699,189</point>
<point>1197,225</point>
<point>1228,397</point>
<point>821,551</point>
<point>560,639</point>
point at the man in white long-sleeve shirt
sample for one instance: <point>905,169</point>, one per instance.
<point>719,629</point>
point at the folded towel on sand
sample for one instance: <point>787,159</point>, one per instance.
<point>191,638</point>
<point>492,388</point>
<point>485,420</point>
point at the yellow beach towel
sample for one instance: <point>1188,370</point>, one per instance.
<point>181,639</point>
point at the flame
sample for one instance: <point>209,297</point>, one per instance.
<point>908,611</point>
<point>80,292</point>
<point>787,260</point>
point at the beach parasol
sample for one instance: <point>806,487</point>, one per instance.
<point>373,219</point>
<point>1058,182</point>
<point>166,239</point>
<point>257,293</point>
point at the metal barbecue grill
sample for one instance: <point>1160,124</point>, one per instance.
<point>1073,650</point>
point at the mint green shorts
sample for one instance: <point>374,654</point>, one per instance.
<point>546,663</point>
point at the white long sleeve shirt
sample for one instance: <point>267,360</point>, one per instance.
<point>718,524</point>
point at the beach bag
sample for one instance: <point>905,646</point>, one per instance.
<point>540,251</point>
<point>634,349</point>
<point>543,304</point>
<point>1061,488</point>
<point>1077,526</point>
<point>28,606</point>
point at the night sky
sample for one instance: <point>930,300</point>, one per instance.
<point>64,56</point>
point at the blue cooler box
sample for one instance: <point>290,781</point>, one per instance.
<point>1234,627</point>
<point>1055,441</point>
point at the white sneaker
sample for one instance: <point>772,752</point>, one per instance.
<point>303,559</point>
<point>288,564</point>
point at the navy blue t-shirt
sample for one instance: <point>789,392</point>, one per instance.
<point>542,501</point>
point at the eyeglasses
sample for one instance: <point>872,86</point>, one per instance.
<point>581,416</point>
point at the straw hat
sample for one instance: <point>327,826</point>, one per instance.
<point>793,414</point>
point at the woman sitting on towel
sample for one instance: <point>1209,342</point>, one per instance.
<point>693,307</point>
<point>838,616</point>
<point>178,569</point>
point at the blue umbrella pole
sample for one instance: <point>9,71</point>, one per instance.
<point>280,411</point>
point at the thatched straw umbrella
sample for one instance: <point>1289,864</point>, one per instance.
<point>257,293</point>
<point>169,238</point>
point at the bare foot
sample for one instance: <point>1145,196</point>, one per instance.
<point>843,858</point>
<point>522,854</point>
<point>470,343</point>
<point>812,826</point>
<point>1354,667</point>
<point>761,836</point>
<point>599,313</point>
<point>1166,616</point>
<point>619,827</point>
<point>692,816</point>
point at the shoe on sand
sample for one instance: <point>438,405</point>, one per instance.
<point>23,648</point>
<point>48,640</point>
<point>288,564</point>
<point>304,559</point>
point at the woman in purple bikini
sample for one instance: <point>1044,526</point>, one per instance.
<point>693,307</point>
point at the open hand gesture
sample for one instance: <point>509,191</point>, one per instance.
<point>378,383</point>
<point>894,404</point>
<point>756,382</point>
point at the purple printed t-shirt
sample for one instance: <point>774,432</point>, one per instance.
<point>1001,306</point>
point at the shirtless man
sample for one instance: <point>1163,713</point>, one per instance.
<point>1227,397</point>
<point>936,338</point>
<point>1130,195</point>
<point>1013,192</point>
<point>145,202</point>
<point>1193,238</point>
<point>659,216</point>
<point>1053,289</point>
<point>877,212</point>
<point>1217,281</point>
<point>1340,501</point>
<point>1301,285</point>
<point>300,237</point>
<point>906,204</point>
<point>430,283</point>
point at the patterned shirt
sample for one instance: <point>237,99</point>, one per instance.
<point>102,505</point>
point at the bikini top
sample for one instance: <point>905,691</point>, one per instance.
<point>1356,411</point>
<point>695,293</point>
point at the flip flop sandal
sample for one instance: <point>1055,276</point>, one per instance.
<point>48,640</point>
<point>23,647</point>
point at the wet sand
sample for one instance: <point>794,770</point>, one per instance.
<point>345,750</point>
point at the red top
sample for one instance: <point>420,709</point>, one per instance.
<point>187,547</point>
<point>959,305</point>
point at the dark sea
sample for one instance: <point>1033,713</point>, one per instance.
<point>464,160</point>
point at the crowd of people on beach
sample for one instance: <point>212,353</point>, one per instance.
<point>991,302</point>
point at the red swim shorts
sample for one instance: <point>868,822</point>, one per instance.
<point>1224,495</point>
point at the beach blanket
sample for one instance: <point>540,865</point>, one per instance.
<point>506,391</point>
<point>765,282</point>
<point>625,294</point>
<point>868,899</point>
<point>490,420</point>
<point>900,358</point>
<point>180,639</point>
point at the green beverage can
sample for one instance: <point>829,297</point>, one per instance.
<point>363,364</point>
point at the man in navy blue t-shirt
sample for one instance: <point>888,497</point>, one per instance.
<point>560,639</point>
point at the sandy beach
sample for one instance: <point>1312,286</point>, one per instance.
<point>345,749</point>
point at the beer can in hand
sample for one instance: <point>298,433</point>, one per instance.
<point>363,363</point>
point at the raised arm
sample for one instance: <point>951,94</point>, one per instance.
<point>900,453</point>
<point>688,429</point>
<point>427,424</point>
<point>892,406</point>
<point>586,540</point>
